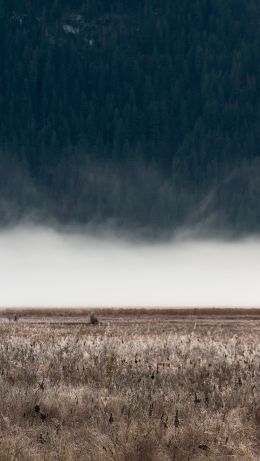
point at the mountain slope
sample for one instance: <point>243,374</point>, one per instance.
<point>134,112</point>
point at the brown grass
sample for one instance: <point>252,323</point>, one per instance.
<point>144,388</point>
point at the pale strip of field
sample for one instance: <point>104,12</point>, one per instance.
<point>138,316</point>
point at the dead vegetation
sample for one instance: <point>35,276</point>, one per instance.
<point>145,391</point>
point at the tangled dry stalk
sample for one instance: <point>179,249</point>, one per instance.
<point>145,391</point>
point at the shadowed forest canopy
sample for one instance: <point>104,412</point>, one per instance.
<point>142,113</point>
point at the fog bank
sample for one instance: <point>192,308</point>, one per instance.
<point>44,268</point>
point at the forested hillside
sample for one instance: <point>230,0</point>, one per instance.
<point>141,113</point>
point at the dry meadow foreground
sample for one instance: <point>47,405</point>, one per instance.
<point>137,386</point>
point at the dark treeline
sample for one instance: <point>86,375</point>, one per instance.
<point>142,113</point>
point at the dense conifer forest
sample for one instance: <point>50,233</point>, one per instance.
<point>133,113</point>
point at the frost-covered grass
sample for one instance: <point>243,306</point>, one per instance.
<point>149,391</point>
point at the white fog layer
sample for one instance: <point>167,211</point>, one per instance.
<point>43,268</point>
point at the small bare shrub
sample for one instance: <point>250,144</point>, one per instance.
<point>93,319</point>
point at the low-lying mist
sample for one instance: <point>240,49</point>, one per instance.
<point>44,268</point>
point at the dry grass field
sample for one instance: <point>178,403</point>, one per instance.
<point>136,386</point>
